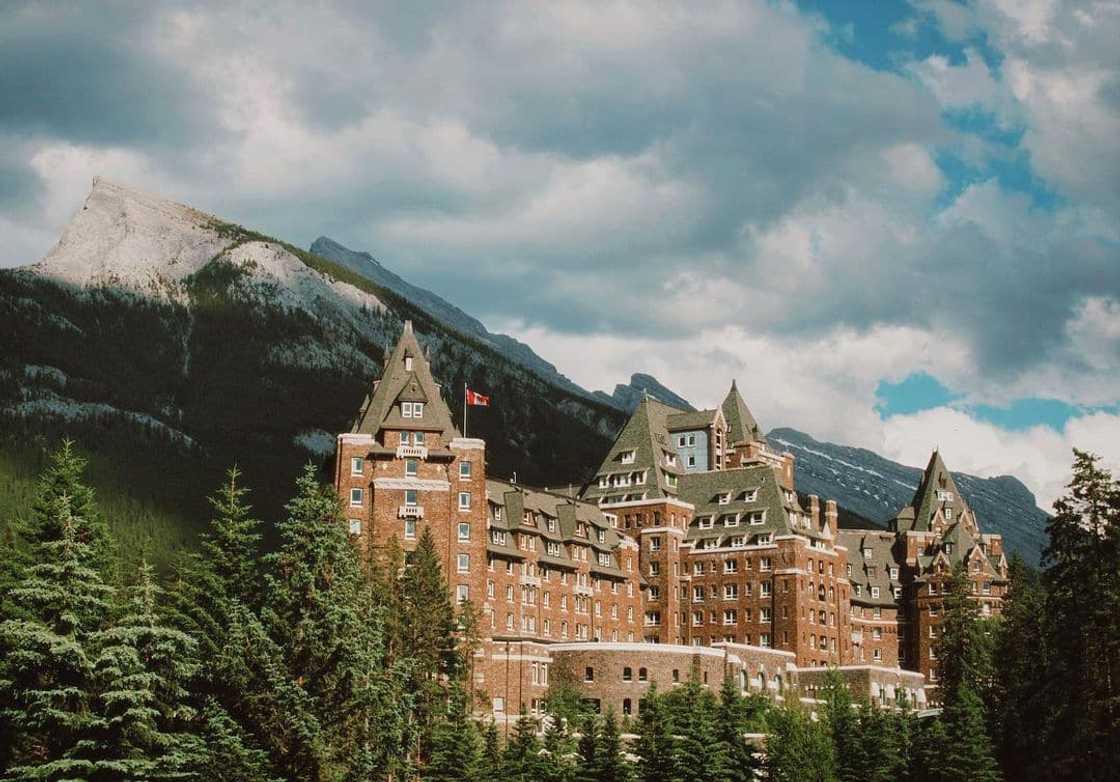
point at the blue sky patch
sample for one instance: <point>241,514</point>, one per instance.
<point>914,393</point>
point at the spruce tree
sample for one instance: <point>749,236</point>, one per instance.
<point>611,762</point>
<point>456,748</point>
<point>798,749</point>
<point>142,668</point>
<point>521,761</point>
<point>968,752</point>
<point>1082,580</point>
<point>63,477</point>
<point>228,754</point>
<point>316,595</point>
<point>845,726</point>
<point>738,715</point>
<point>656,746</point>
<point>46,657</point>
<point>930,748</point>
<point>588,747</point>
<point>700,753</point>
<point>559,756</point>
<point>490,765</point>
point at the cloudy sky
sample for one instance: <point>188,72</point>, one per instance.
<point>897,224</point>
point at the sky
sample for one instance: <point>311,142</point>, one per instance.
<point>896,224</point>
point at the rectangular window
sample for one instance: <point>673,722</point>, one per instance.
<point>764,640</point>
<point>406,409</point>
<point>355,497</point>
<point>410,497</point>
<point>355,526</point>
<point>464,531</point>
<point>464,470</point>
<point>765,587</point>
<point>464,563</point>
<point>764,615</point>
<point>764,563</point>
<point>357,465</point>
<point>464,500</point>
<point>462,593</point>
<point>410,528</point>
<point>417,409</point>
<point>404,438</point>
<point>729,616</point>
<point>410,468</point>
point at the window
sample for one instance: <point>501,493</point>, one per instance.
<point>355,526</point>
<point>627,706</point>
<point>729,616</point>
<point>655,568</point>
<point>875,592</point>
<point>730,591</point>
<point>404,438</point>
<point>627,457</point>
<point>730,566</point>
<point>627,674</point>
<point>697,618</point>
<point>357,464</point>
<point>410,528</point>
<point>355,497</point>
<point>410,497</point>
<point>877,633</point>
<point>462,593</point>
<point>764,615</point>
<point>725,498</point>
<point>406,409</point>
<point>499,704</point>
<point>589,674</point>
<point>417,409</point>
<point>464,563</point>
<point>877,654</point>
<point>894,574</point>
<point>654,542</point>
<point>757,517</point>
<point>464,500</point>
<point>765,587</point>
<point>410,468</point>
<point>464,470</point>
<point>464,531</point>
<point>643,675</point>
<point>764,563</point>
<point>418,438</point>
<point>698,594</point>
<point>764,640</point>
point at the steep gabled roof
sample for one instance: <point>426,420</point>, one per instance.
<point>740,423</point>
<point>646,435</point>
<point>748,489</point>
<point>397,384</point>
<point>696,419</point>
<point>926,502</point>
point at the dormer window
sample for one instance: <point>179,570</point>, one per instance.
<point>628,457</point>
<point>944,496</point>
<point>749,496</point>
<point>725,498</point>
<point>757,517</point>
<point>705,522</point>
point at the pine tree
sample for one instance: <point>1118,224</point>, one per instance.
<point>1019,713</point>
<point>590,741</point>
<point>228,754</point>
<point>797,748</point>
<point>559,758</point>
<point>456,749</point>
<point>612,765</point>
<point>314,615</point>
<point>521,761</point>
<point>964,649</point>
<point>63,477</point>
<point>46,674</point>
<point>656,746</point>
<point>931,746</point>
<point>1082,579</point>
<point>845,727</point>
<point>700,754</point>
<point>737,716</point>
<point>490,766</point>
<point>142,668</point>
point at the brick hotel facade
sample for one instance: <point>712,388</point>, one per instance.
<point>689,553</point>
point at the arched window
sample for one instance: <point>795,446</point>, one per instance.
<point>642,675</point>
<point>627,708</point>
<point>627,674</point>
<point>589,674</point>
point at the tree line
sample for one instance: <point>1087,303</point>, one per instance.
<point>313,662</point>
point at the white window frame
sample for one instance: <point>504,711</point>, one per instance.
<point>357,498</point>
<point>411,468</point>
<point>355,526</point>
<point>357,465</point>
<point>463,563</point>
<point>464,470</point>
<point>464,525</point>
<point>464,500</point>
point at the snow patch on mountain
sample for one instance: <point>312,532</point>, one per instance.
<point>51,406</point>
<point>316,441</point>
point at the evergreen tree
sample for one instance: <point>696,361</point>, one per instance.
<point>142,668</point>
<point>490,766</point>
<point>1019,712</point>
<point>700,753</point>
<point>427,635</point>
<point>968,752</point>
<point>1082,579</point>
<point>931,746</point>
<point>612,765</point>
<point>456,748</point>
<point>46,665</point>
<point>964,651</point>
<point>738,715</point>
<point>656,746</point>
<point>521,761</point>
<point>314,615</point>
<point>228,754</point>
<point>63,477</point>
<point>798,749</point>
<point>559,763</point>
<point>590,742</point>
<point>845,727</point>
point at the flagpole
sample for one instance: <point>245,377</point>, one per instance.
<point>464,408</point>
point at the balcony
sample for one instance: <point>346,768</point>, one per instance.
<point>412,452</point>
<point>583,590</point>
<point>410,512</point>
<point>527,580</point>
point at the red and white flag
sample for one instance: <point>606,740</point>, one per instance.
<point>477,399</point>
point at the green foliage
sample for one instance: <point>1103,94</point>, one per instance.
<point>656,746</point>
<point>522,761</point>
<point>798,748</point>
<point>738,715</point>
<point>456,754</point>
<point>47,683</point>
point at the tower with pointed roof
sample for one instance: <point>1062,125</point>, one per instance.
<point>404,466</point>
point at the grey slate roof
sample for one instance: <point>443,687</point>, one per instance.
<point>382,410</point>
<point>646,435</point>
<point>703,489</point>
<point>872,571</point>
<point>919,514</point>
<point>740,423</point>
<point>696,419</point>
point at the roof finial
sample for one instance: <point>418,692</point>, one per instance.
<point>733,386</point>
<point>408,327</point>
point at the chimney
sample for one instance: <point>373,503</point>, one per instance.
<point>408,327</point>
<point>832,516</point>
<point>815,510</point>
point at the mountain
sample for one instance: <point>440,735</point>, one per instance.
<point>876,488</point>
<point>440,309</point>
<point>628,397</point>
<point>173,344</point>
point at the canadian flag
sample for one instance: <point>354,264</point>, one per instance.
<point>477,399</point>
